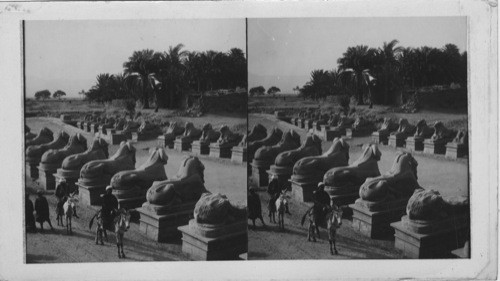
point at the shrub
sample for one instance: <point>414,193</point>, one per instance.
<point>130,107</point>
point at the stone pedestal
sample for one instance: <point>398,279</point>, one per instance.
<point>303,191</point>
<point>102,130</point>
<point>110,132</point>
<point>115,138</point>
<point>396,141</point>
<point>259,173</point>
<point>374,219</point>
<point>343,196</point>
<point>239,154</point>
<point>69,176</point>
<point>86,126</point>
<point>301,123</point>
<point>308,124</point>
<point>32,167</point>
<point>163,226</point>
<point>283,175</point>
<point>94,128</point>
<point>200,148</point>
<point>380,138</point>
<point>434,147</point>
<point>354,133</point>
<point>220,151</point>
<point>207,242</point>
<point>46,176</point>
<point>181,145</point>
<point>79,124</point>
<point>456,150</point>
<point>414,144</point>
<point>127,134</point>
<point>90,191</point>
<point>430,239</point>
<point>317,126</point>
<point>165,142</point>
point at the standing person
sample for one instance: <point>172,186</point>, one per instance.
<point>254,207</point>
<point>321,201</point>
<point>29,217</point>
<point>42,210</point>
<point>62,193</point>
<point>109,207</point>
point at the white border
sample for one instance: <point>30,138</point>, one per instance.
<point>483,121</point>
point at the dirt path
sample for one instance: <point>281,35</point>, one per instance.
<point>57,246</point>
<point>450,178</point>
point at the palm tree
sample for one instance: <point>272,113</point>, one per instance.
<point>387,56</point>
<point>356,63</point>
<point>140,72</point>
<point>173,71</point>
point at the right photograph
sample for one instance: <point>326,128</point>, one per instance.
<point>358,138</point>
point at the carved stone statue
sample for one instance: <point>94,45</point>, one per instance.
<point>441,133</point>
<point>36,151</point>
<point>382,135</point>
<point>334,120</point>
<point>208,134</point>
<point>314,167</point>
<point>273,138</point>
<point>108,123</point>
<point>174,129</point>
<point>344,123</point>
<point>405,130</point>
<point>459,147</point>
<point>44,136</point>
<point>310,147</point>
<point>423,131</point>
<point>103,170</point>
<point>97,151</point>
<point>53,158</point>
<point>215,209</point>
<point>190,133</point>
<point>28,135</point>
<point>228,138</point>
<point>461,137</point>
<point>266,155</point>
<point>397,183</point>
<point>186,186</point>
<point>130,127</point>
<point>134,183</point>
<point>342,180</point>
<point>429,205</point>
<point>119,124</point>
<point>258,132</point>
<point>361,124</point>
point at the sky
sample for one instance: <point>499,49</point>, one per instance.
<point>282,52</point>
<point>68,55</point>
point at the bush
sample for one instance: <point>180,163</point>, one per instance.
<point>130,107</point>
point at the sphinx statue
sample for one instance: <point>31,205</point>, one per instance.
<point>146,131</point>
<point>459,146</point>
<point>422,132</point>
<point>312,168</point>
<point>228,138</point>
<point>382,134</point>
<point>343,124</point>
<point>405,130</point>
<point>333,120</point>
<point>429,205</point>
<point>130,127</point>
<point>215,209</point>
<point>73,163</point>
<point>273,138</point>
<point>310,147</point>
<point>35,152</point>
<point>108,123</point>
<point>360,127</point>
<point>397,184</point>
<point>258,132</point>
<point>239,152</point>
<point>79,123</point>
<point>347,180</point>
<point>119,124</point>
<point>191,133</point>
<point>28,135</point>
<point>461,138</point>
<point>129,184</point>
<point>44,136</point>
<point>186,186</point>
<point>53,158</point>
<point>94,126</point>
<point>266,155</point>
<point>437,143</point>
<point>173,130</point>
<point>208,136</point>
<point>103,169</point>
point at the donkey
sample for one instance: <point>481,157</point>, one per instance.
<point>122,224</point>
<point>282,208</point>
<point>333,221</point>
<point>69,209</point>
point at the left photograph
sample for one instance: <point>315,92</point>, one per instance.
<point>135,140</point>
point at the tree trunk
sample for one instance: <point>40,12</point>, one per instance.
<point>145,96</point>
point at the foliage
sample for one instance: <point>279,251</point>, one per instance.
<point>58,94</point>
<point>344,102</point>
<point>273,90</point>
<point>260,90</point>
<point>130,107</point>
<point>44,94</point>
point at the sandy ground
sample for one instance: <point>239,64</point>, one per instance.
<point>57,247</point>
<point>450,178</point>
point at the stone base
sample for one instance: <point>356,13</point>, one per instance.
<point>351,133</point>
<point>447,236</point>
<point>46,179</point>
<point>32,170</point>
<point>200,149</point>
<point>344,199</point>
<point>182,146</point>
<point>431,147</point>
<point>301,123</point>
<point>239,154</point>
<point>94,128</point>
<point>379,138</point>
<point>111,131</point>
<point>131,203</point>
<point>330,135</point>
<point>259,175</point>
<point>376,224</point>
<point>162,142</point>
<point>220,151</point>
<point>90,195</point>
<point>117,138</point>
<point>227,243</point>
<point>396,142</point>
<point>308,124</point>
<point>413,144</point>
<point>303,191</point>
<point>102,130</point>
<point>162,228</point>
<point>455,150</point>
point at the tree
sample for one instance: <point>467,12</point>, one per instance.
<point>260,90</point>
<point>58,94</point>
<point>44,94</point>
<point>273,90</point>
<point>172,73</point>
<point>140,72</point>
<point>296,89</point>
<point>387,58</point>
